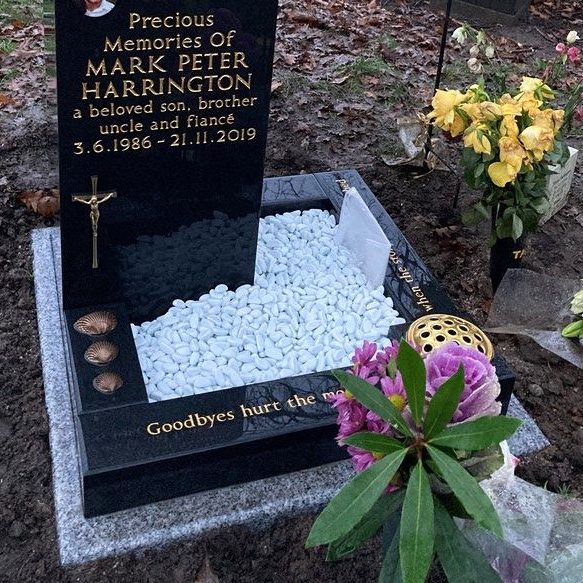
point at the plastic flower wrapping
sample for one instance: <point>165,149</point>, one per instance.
<point>575,329</point>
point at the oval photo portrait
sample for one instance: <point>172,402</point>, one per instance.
<point>95,8</point>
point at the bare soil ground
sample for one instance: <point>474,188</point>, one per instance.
<point>344,73</point>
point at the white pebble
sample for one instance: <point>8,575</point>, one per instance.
<point>308,309</point>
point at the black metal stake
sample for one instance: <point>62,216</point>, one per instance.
<point>439,72</point>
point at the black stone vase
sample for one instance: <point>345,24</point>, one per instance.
<point>505,254</point>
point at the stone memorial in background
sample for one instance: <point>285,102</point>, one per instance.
<point>203,305</point>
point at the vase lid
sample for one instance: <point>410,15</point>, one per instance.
<point>434,330</point>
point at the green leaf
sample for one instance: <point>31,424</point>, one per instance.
<point>412,369</point>
<point>443,404</point>
<point>517,227</point>
<point>416,539</point>
<point>355,499</point>
<point>381,511</point>
<point>374,442</point>
<point>372,399</point>
<point>391,568</point>
<point>540,205</point>
<point>475,214</point>
<point>461,561</point>
<point>467,490</point>
<point>479,434</point>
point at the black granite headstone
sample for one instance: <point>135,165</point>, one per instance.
<point>165,102</point>
<point>163,109</point>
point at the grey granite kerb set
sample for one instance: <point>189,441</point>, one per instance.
<point>255,504</point>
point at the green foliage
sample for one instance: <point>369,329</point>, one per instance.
<point>466,490</point>
<point>7,45</point>
<point>461,561</point>
<point>23,10</point>
<point>373,442</point>
<point>373,400</point>
<point>412,369</point>
<point>443,405</point>
<point>437,480</point>
<point>354,501</point>
<point>383,509</point>
<point>440,481</point>
<point>476,435</point>
<point>416,540</point>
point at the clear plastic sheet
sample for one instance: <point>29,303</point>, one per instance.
<point>360,233</point>
<point>536,305</point>
<point>543,532</point>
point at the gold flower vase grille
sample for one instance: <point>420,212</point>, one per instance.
<point>432,331</point>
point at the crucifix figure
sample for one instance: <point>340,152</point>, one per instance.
<point>94,200</point>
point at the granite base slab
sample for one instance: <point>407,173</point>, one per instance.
<point>255,505</point>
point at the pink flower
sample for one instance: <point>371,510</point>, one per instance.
<point>578,116</point>
<point>377,425</point>
<point>362,358</point>
<point>385,356</point>
<point>351,414</point>
<point>561,48</point>
<point>394,390</point>
<point>362,460</point>
<point>573,53</point>
<point>481,383</point>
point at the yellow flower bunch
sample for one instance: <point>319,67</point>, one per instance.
<point>511,132</point>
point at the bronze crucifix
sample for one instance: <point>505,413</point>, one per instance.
<point>94,200</point>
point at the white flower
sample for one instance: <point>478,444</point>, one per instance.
<point>475,51</point>
<point>474,65</point>
<point>460,35</point>
<point>490,51</point>
<point>481,38</point>
<point>572,37</point>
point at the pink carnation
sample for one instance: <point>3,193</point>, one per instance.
<point>561,48</point>
<point>573,53</point>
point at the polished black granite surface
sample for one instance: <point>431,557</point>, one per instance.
<point>133,452</point>
<point>166,102</point>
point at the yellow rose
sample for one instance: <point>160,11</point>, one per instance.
<point>529,103</point>
<point>510,107</point>
<point>501,173</point>
<point>474,138</point>
<point>484,111</point>
<point>551,119</point>
<point>473,111</point>
<point>511,152</point>
<point>512,156</point>
<point>444,113</point>
<point>532,84</point>
<point>509,127</point>
<point>537,141</point>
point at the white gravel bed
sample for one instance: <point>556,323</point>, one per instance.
<point>307,311</point>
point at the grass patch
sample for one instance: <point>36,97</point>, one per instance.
<point>292,83</point>
<point>7,45</point>
<point>367,66</point>
<point>8,76</point>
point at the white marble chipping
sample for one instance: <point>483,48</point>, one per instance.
<point>307,310</point>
